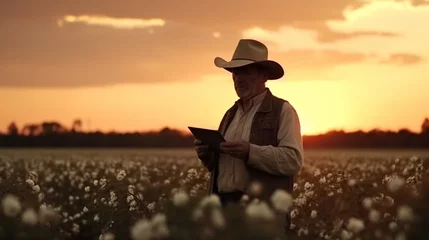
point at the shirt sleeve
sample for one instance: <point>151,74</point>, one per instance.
<point>287,158</point>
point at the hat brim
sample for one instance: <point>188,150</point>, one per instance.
<point>273,69</point>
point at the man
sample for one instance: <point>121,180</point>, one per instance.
<point>262,132</point>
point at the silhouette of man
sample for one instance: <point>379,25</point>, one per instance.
<point>262,132</point>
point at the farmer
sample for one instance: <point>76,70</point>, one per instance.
<point>262,132</point>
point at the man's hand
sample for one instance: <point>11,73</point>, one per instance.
<point>238,149</point>
<point>202,150</point>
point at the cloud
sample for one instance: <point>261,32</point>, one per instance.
<point>120,23</point>
<point>181,47</point>
<point>224,15</point>
<point>403,59</point>
<point>379,28</point>
<point>307,58</point>
<point>76,56</point>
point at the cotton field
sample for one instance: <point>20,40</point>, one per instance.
<point>160,194</point>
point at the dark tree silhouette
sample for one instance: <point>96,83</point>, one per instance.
<point>49,128</point>
<point>31,129</point>
<point>54,134</point>
<point>77,125</point>
<point>12,129</point>
<point>425,126</point>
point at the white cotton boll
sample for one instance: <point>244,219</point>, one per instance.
<point>367,203</point>
<point>217,218</point>
<point>159,226</point>
<point>87,189</point>
<point>393,226</point>
<point>352,182</point>
<point>151,206</point>
<point>107,236</point>
<point>244,198</point>
<point>308,186</point>
<point>85,209</point>
<point>29,217</point>
<point>180,198</point>
<point>345,235</point>
<point>294,213</point>
<point>281,200</point>
<point>141,230</point>
<point>30,182</point>
<point>11,205</point>
<point>255,188</point>
<point>374,216</point>
<point>295,186</point>
<point>259,210</point>
<point>197,214</point>
<point>121,175</point>
<point>211,200</point>
<point>95,182</point>
<point>322,180</point>
<point>405,213</point>
<point>355,225</point>
<point>96,218</point>
<point>313,214</point>
<point>36,188</point>
<point>395,184</point>
<point>317,172</point>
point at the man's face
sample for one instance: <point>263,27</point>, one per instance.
<point>248,81</point>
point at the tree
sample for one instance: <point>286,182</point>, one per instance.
<point>52,128</point>
<point>425,126</point>
<point>12,129</point>
<point>77,125</point>
<point>31,129</point>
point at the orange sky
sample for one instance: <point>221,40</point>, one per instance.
<point>349,64</point>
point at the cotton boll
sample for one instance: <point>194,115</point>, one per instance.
<point>36,188</point>
<point>395,184</point>
<point>393,226</point>
<point>29,217</point>
<point>281,200</point>
<point>141,230</point>
<point>181,198</point>
<point>374,216</point>
<point>11,205</point>
<point>345,235</point>
<point>255,188</point>
<point>355,225</point>
<point>405,213</point>
<point>313,214</point>
<point>367,203</point>
<point>259,210</point>
<point>217,218</point>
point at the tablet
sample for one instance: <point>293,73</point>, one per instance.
<point>210,137</point>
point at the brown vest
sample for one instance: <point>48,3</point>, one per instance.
<point>264,131</point>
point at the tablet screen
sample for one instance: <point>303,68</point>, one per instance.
<point>210,137</point>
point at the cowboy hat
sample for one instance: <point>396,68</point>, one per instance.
<point>249,51</point>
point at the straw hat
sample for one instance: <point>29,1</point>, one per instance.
<point>249,51</point>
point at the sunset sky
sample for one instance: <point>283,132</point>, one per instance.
<point>141,65</point>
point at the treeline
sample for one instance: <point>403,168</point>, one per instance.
<point>54,134</point>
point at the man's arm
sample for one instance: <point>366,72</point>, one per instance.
<point>287,158</point>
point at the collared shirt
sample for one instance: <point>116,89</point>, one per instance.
<point>286,159</point>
